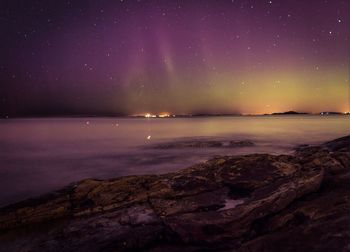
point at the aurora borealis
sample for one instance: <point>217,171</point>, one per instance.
<point>197,56</point>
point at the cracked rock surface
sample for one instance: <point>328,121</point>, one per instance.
<point>256,202</point>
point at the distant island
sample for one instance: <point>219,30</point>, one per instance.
<point>333,113</point>
<point>168,115</point>
<point>290,113</point>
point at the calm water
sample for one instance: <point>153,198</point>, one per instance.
<point>41,155</point>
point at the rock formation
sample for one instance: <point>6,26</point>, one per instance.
<point>203,143</point>
<point>257,202</point>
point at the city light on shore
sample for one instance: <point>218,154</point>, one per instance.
<point>161,115</point>
<point>148,115</point>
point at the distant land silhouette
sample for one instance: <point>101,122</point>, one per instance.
<point>331,113</point>
<point>290,113</point>
<point>77,115</point>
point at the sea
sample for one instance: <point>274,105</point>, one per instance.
<point>38,156</point>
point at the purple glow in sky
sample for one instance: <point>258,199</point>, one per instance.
<point>138,56</point>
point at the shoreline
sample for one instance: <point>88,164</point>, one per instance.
<point>244,203</point>
<point>324,114</point>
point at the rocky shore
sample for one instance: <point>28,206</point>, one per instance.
<point>257,202</point>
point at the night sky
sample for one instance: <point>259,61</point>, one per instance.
<point>197,56</point>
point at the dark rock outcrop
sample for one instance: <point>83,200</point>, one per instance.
<point>340,144</point>
<point>203,143</point>
<point>255,202</point>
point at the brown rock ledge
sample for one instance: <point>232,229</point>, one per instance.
<point>255,202</point>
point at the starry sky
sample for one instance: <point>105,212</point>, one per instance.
<point>127,57</point>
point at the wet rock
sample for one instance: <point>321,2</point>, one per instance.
<point>202,143</point>
<point>254,202</point>
<point>241,144</point>
<point>340,144</point>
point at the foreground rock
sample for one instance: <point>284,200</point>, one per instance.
<point>241,203</point>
